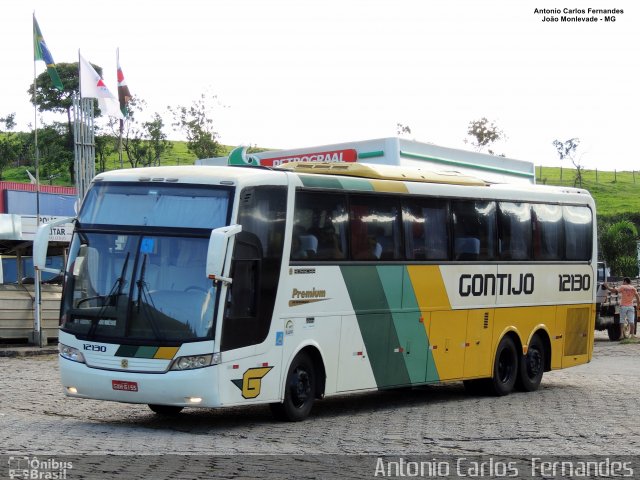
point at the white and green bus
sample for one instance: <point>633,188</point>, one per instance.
<point>225,286</point>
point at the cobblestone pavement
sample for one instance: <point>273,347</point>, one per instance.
<point>590,409</point>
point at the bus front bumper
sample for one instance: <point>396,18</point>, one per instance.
<point>187,388</point>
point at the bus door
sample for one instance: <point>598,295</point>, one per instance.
<point>249,307</point>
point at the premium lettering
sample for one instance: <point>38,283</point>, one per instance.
<point>308,293</point>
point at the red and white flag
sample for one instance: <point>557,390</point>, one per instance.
<point>124,95</point>
<point>92,86</point>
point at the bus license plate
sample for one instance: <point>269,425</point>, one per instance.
<point>124,386</point>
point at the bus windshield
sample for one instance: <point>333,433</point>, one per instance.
<point>152,205</point>
<point>137,264</point>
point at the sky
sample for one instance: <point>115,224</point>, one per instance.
<point>298,73</point>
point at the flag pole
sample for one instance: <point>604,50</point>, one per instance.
<point>122,119</point>
<point>37,319</point>
<point>35,130</point>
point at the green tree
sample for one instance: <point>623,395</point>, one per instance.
<point>484,133</point>
<point>143,142</point>
<point>10,146</point>
<point>618,244</point>
<point>196,124</point>
<point>105,145</point>
<point>567,149</point>
<point>54,156</point>
<point>157,139</point>
<point>133,144</point>
<point>49,99</point>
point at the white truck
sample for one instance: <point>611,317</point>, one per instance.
<point>608,305</point>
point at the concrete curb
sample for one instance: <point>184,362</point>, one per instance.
<point>27,351</point>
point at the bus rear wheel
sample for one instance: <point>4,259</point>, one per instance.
<point>300,390</point>
<point>165,410</point>
<point>505,368</point>
<point>532,366</point>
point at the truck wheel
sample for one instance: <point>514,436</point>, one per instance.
<point>299,392</point>
<point>505,368</point>
<point>531,366</point>
<point>614,332</point>
<point>165,410</point>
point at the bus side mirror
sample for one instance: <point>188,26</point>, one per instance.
<point>219,248</point>
<point>41,244</point>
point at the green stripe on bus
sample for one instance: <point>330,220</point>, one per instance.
<point>356,184</point>
<point>411,341</point>
<point>376,325</point>
<point>412,337</point>
<point>410,301</point>
<point>146,352</point>
<point>318,181</point>
<point>126,351</point>
<point>134,351</point>
<point>340,183</point>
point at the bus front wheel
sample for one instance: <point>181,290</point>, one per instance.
<point>505,368</point>
<point>165,410</point>
<point>300,390</point>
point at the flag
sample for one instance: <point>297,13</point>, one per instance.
<point>32,179</point>
<point>92,86</point>
<point>41,52</point>
<point>123,91</point>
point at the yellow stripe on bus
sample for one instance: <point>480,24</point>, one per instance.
<point>428,287</point>
<point>166,353</point>
<point>388,186</point>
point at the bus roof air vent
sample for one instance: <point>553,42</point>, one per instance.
<point>382,172</point>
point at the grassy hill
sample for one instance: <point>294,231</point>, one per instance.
<point>617,194</point>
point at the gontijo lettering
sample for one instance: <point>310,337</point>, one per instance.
<point>479,285</point>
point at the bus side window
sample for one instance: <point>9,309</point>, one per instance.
<point>578,225</point>
<point>547,232</point>
<point>374,224</point>
<point>426,229</point>
<point>320,226</point>
<point>514,231</point>
<point>474,229</point>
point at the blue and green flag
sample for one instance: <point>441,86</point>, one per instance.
<point>41,52</point>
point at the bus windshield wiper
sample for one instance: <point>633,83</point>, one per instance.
<point>111,299</point>
<point>144,298</point>
<point>120,281</point>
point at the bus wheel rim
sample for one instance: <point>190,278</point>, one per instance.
<point>534,362</point>
<point>300,387</point>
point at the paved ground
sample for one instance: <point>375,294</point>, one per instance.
<point>590,409</point>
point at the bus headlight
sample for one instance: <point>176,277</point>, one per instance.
<point>191,362</point>
<point>70,353</point>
